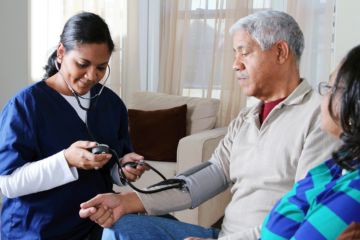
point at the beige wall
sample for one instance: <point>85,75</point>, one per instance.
<point>347,34</point>
<point>13,48</point>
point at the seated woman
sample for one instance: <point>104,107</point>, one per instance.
<point>44,183</point>
<point>320,206</point>
<point>324,203</point>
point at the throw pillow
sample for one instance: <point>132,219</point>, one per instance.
<point>156,134</point>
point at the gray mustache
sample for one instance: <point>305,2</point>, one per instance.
<point>239,74</point>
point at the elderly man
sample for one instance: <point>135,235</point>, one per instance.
<point>268,147</point>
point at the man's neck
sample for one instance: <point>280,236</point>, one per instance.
<point>286,86</point>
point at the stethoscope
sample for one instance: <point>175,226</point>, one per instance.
<point>103,148</point>
<point>77,96</point>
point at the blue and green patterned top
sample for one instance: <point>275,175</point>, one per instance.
<point>320,206</point>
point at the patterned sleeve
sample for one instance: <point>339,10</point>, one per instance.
<point>333,209</point>
<point>290,214</point>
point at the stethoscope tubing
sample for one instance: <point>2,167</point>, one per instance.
<point>77,95</point>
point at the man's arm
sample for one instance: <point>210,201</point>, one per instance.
<point>203,181</point>
<point>172,200</point>
<point>218,180</point>
<point>318,147</point>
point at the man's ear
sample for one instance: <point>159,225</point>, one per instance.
<point>283,51</point>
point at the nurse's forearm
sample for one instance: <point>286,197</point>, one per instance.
<point>38,176</point>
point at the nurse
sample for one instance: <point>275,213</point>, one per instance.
<point>45,143</point>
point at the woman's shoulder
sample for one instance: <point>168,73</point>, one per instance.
<point>27,94</point>
<point>21,106</point>
<point>329,167</point>
<point>109,95</point>
<point>322,174</point>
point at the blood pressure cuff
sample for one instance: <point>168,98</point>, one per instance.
<point>204,181</point>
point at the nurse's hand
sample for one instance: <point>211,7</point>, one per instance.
<point>77,156</point>
<point>106,209</point>
<point>133,174</point>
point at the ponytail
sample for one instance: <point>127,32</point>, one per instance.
<point>50,68</point>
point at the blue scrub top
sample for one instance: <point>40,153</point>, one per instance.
<point>37,123</point>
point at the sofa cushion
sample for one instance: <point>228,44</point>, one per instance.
<point>156,134</point>
<point>201,112</point>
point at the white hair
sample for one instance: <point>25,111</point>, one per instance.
<point>269,27</point>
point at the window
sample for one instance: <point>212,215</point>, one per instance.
<point>205,41</point>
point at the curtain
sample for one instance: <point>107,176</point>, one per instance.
<point>196,53</point>
<point>315,18</point>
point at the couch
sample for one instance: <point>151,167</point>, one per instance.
<point>202,137</point>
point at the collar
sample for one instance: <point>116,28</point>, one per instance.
<point>296,97</point>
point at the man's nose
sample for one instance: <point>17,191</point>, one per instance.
<point>238,65</point>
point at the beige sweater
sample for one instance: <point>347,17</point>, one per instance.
<point>261,163</point>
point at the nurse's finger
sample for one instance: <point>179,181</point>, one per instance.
<point>85,154</point>
<point>85,144</point>
<point>142,168</point>
<point>94,165</point>
<point>75,154</point>
<point>100,157</point>
<point>131,177</point>
<point>134,171</point>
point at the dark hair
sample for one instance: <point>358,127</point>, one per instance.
<point>83,28</point>
<point>348,77</point>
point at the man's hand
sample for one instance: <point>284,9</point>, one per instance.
<point>106,209</point>
<point>98,209</point>
<point>133,174</point>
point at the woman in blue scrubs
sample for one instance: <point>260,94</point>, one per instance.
<point>45,143</point>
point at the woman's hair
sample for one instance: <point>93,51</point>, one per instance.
<point>269,27</point>
<point>348,81</point>
<point>83,28</point>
